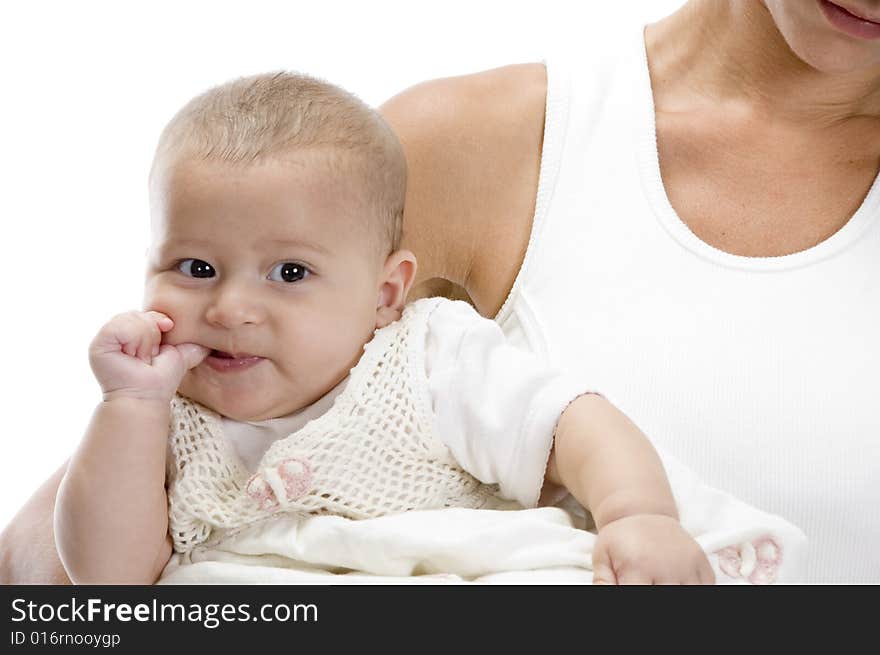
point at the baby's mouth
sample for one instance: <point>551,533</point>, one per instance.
<point>225,355</point>
<point>225,362</point>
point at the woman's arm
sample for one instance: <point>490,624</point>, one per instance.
<point>473,149</point>
<point>27,544</point>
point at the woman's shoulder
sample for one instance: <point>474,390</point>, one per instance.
<point>473,147</point>
<point>491,102</point>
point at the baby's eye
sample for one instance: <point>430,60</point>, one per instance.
<point>288,272</point>
<point>196,268</point>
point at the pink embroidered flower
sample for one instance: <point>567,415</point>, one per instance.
<point>757,561</point>
<point>287,481</point>
<point>258,489</point>
<point>296,474</point>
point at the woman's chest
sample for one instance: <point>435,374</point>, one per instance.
<point>756,189</point>
<point>766,389</point>
<point>763,381</point>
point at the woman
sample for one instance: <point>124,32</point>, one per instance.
<point>693,220</point>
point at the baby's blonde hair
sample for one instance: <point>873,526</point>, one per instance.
<point>261,117</point>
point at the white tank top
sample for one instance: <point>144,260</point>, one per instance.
<point>759,373</point>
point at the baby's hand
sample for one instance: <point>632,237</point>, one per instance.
<point>649,549</point>
<point>128,358</point>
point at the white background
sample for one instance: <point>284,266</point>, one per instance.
<point>86,89</point>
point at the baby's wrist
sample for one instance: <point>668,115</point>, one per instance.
<point>135,403</point>
<point>621,506</point>
<point>650,516</point>
<point>144,396</point>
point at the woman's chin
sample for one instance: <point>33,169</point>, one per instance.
<point>841,60</point>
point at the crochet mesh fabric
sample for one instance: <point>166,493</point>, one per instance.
<point>373,453</point>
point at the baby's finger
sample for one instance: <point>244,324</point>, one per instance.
<point>667,576</point>
<point>603,575</point>
<point>122,333</point>
<point>168,361</point>
<point>142,341</point>
<point>603,572</point>
<point>633,576</point>
<point>162,321</point>
<point>129,331</point>
<point>691,579</point>
<point>130,348</point>
<point>192,354</point>
<point>149,346</point>
<point>694,580</point>
<point>705,574</point>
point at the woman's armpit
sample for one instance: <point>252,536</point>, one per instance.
<point>438,287</point>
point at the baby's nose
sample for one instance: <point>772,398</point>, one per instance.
<point>234,307</point>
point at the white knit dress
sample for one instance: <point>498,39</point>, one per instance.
<point>376,451</point>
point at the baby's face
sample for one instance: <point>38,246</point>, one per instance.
<point>272,267</point>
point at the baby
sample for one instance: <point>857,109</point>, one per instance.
<point>276,368</point>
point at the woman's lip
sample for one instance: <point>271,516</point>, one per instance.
<point>232,364</point>
<point>848,22</point>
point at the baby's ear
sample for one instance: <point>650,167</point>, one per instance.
<point>398,275</point>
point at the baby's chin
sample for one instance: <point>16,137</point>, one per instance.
<point>238,405</point>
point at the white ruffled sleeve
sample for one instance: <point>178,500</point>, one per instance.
<point>495,406</point>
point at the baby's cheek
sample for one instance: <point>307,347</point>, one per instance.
<point>179,309</point>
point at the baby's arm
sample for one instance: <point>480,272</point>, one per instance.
<point>606,462</point>
<point>497,407</point>
<point>111,516</point>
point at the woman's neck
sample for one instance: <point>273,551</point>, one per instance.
<point>732,52</point>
